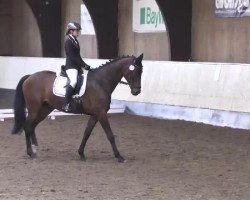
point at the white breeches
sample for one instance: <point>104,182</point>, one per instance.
<point>72,74</point>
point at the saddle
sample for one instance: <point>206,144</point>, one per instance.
<point>62,80</point>
<point>79,79</point>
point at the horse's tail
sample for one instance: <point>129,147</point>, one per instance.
<point>19,107</point>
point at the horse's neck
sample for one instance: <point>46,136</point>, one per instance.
<point>115,72</point>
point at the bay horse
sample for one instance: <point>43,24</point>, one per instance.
<point>35,92</point>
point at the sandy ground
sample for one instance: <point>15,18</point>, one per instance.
<point>172,160</point>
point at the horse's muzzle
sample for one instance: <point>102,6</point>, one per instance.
<point>136,91</point>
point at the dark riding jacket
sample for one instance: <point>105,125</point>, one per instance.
<point>73,57</point>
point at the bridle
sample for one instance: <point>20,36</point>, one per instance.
<point>129,78</point>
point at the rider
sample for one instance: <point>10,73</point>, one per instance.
<point>74,62</point>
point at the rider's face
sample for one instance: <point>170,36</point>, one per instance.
<point>76,33</point>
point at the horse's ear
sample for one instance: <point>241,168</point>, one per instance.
<point>139,59</point>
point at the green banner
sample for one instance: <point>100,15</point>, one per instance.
<point>147,17</point>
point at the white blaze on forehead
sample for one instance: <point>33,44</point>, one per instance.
<point>131,67</point>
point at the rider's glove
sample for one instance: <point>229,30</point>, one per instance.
<point>86,67</point>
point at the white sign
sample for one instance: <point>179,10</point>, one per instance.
<point>232,8</point>
<point>86,22</point>
<point>147,17</point>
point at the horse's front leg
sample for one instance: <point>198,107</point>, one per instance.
<point>91,124</point>
<point>103,119</point>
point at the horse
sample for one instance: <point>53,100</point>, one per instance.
<point>35,93</point>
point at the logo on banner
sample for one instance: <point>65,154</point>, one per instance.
<point>232,8</point>
<point>147,17</point>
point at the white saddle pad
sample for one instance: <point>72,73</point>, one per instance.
<point>60,82</point>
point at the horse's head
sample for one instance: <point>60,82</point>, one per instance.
<point>133,75</point>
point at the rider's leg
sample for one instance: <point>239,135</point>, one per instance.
<point>72,74</point>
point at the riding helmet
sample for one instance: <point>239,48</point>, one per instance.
<point>74,26</point>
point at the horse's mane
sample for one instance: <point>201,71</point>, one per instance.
<point>111,61</point>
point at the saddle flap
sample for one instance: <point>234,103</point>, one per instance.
<point>60,82</point>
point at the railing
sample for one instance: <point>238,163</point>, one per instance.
<point>9,113</point>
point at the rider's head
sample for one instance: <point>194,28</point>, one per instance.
<point>73,28</point>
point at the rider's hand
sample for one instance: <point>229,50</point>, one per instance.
<point>86,67</point>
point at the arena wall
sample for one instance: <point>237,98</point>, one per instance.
<point>207,90</point>
<point>213,39</point>
<point>20,35</point>
<point>218,39</point>
<point>155,46</point>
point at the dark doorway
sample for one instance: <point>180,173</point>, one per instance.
<point>104,15</point>
<point>48,16</point>
<point>178,18</point>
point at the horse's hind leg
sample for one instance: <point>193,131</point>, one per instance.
<point>91,124</point>
<point>29,129</point>
<point>44,111</point>
<point>32,121</point>
<point>103,119</point>
<point>33,139</point>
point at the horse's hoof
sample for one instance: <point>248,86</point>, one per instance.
<point>121,159</point>
<point>32,156</point>
<point>16,131</point>
<point>82,158</point>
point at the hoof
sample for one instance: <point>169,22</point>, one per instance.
<point>82,158</point>
<point>16,131</point>
<point>120,159</point>
<point>32,156</point>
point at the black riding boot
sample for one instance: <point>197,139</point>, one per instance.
<point>68,96</point>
